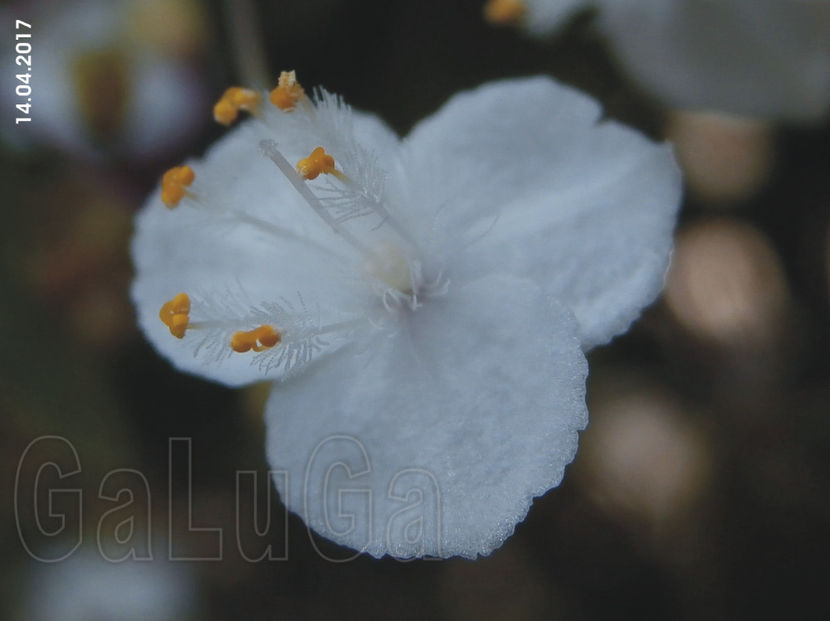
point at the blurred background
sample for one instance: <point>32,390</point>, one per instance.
<point>700,487</point>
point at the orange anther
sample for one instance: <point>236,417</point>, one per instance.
<point>173,184</point>
<point>175,314</point>
<point>318,162</point>
<point>257,339</point>
<point>287,92</point>
<point>232,101</point>
<point>509,12</point>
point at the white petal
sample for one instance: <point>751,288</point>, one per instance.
<point>436,439</point>
<point>767,58</point>
<point>544,190</point>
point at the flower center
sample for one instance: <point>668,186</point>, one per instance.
<point>401,282</point>
<point>392,268</point>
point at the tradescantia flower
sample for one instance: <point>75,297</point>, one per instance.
<point>765,58</point>
<point>422,306</point>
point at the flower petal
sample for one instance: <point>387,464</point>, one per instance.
<point>584,208</point>
<point>434,441</point>
<point>763,58</point>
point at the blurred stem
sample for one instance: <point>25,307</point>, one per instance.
<point>246,39</point>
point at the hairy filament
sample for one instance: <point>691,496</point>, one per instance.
<point>269,148</point>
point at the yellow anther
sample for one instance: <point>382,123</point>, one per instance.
<point>175,314</point>
<point>319,162</point>
<point>257,339</point>
<point>287,92</point>
<point>173,184</point>
<point>507,12</point>
<point>232,101</point>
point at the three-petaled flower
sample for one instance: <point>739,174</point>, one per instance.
<point>422,305</point>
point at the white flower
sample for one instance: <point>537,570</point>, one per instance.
<point>423,308</point>
<point>765,58</point>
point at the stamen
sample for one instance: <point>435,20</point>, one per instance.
<point>232,101</point>
<point>175,314</point>
<point>258,339</point>
<point>504,12</point>
<point>173,185</point>
<point>269,148</point>
<point>359,187</point>
<point>318,162</point>
<point>287,92</point>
